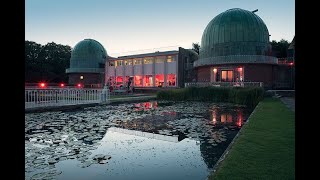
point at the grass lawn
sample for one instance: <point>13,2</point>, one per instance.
<point>265,149</point>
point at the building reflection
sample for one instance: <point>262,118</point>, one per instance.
<point>227,118</point>
<point>146,105</point>
<point>226,121</point>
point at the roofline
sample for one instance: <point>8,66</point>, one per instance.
<point>149,54</point>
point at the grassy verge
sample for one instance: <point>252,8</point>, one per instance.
<point>265,149</point>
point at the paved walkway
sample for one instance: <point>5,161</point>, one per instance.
<point>289,102</point>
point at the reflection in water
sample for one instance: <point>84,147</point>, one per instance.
<point>229,118</point>
<point>151,140</point>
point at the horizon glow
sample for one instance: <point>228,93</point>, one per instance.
<point>131,27</point>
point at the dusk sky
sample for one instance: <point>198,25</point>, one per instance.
<point>136,26</point>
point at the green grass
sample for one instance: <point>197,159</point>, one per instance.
<point>265,149</point>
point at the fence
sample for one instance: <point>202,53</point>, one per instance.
<point>39,97</point>
<point>224,84</point>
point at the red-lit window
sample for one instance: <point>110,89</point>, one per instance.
<point>159,80</point>
<point>171,80</point>
<point>148,80</point>
<point>226,76</point>
<point>138,80</point>
<point>119,80</point>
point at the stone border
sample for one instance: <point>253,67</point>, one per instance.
<point>225,153</point>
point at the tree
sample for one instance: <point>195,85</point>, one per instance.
<point>46,63</point>
<point>32,65</point>
<point>280,48</point>
<point>196,47</point>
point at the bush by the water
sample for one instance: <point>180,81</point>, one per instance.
<point>249,96</point>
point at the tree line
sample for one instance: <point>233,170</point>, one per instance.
<point>46,63</point>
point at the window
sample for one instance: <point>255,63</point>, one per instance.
<point>137,61</point>
<point>119,80</point>
<point>171,80</point>
<point>226,76</point>
<point>148,80</point>
<point>128,62</point>
<point>148,60</point>
<point>138,80</point>
<point>111,63</point>
<point>160,59</point>
<point>171,58</point>
<point>159,80</point>
<point>119,63</point>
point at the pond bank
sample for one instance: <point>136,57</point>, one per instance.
<point>81,106</point>
<point>265,148</point>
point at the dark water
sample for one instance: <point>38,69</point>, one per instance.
<point>151,140</point>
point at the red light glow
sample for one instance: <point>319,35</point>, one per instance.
<point>79,85</point>
<point>291,63</point>
<point>61,85</point>
<point>42,85</point>
<point>240,119</point>
<point>240,69</point>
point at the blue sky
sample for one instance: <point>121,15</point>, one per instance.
<point>132,26</point>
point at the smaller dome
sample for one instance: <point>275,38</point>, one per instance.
<point>87,56</point>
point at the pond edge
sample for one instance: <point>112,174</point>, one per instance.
<point>225,153</point>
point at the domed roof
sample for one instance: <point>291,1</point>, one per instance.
<point>235,32</point>
<point>87,55</point>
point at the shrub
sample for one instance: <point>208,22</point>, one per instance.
<point>249,96</point>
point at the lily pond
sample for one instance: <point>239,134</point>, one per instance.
<point>149,140</point>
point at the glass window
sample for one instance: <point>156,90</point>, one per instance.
<point>127,62</point>
<point>119,63</point>
<point>111,63</point>
<point>171,58</point>
<point>160,59</point>
<point>148,60</point>
<point>119,80</point>
<point>159,80</point>
<point>137,61</point>
<point>171,80</point>
<point>148,80</point>
<point>226,76</point>
<point>138,80</point>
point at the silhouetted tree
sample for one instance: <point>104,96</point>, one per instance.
<point>196,47</point>
<point>46,63</point>
<point>279,49</point>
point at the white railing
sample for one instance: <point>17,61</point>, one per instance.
<point>224,84</point>
<point>38,97</point>
<point>235,59</point>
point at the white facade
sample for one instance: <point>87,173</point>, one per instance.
<point>148,70</point>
